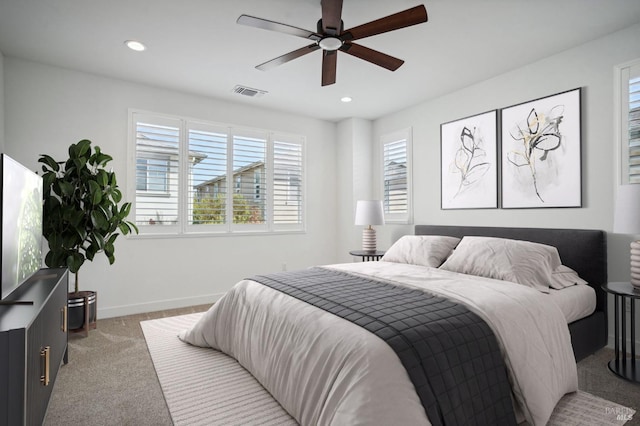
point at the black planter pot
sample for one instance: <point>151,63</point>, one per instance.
<point>82,311</point>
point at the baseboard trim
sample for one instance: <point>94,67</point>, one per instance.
<point>611,344</point>
<point>159,305</point>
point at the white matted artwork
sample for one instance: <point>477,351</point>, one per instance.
<point>541,153</point>
<point>468,149</point>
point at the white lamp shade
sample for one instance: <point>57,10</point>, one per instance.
<point>627,213</point>
<point>369,212</point>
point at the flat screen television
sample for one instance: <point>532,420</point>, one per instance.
<point>21,210</point>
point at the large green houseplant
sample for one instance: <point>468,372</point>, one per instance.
<point>82,211</point>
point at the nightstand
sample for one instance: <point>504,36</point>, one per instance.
<point>367,255</point>
<point>622,365</point>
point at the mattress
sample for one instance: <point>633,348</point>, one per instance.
<point>575,302</point>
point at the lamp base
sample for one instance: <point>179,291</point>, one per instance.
<point>635,264</point>
<point>369,239</point>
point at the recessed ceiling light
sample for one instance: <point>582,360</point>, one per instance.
<point>346,99</point>
<point>135,45</point>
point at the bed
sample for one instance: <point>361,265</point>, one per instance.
<point>583,250</point>
<point>331,359</point>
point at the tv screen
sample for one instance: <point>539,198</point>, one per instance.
<point>21,200</point>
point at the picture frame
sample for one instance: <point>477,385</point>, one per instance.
<point>469,162</point>
<point>541,159</point>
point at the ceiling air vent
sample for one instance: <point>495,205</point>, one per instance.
<point>248,91</point>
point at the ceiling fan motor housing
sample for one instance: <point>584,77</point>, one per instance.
<point>335,32</point>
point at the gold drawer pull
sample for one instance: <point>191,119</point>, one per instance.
<point>64,312</point>
<point>44,355</point>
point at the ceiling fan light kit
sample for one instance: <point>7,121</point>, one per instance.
<point>330,43</point>
<point>331,37</point>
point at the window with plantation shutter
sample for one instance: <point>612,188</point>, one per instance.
<point>396,176</point>
<point>287,183</point>
<point>207,186</point>
<point>249,170</point>
<point>629,120</point>
<point>194,177</point>
<point>633,125</point>
<point>156,172</point>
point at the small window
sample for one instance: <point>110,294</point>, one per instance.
<point>152,175</point>
<point>396,176</point>
<point>628,113</point>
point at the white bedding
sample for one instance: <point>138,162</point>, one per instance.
<point>575,302</point>
<point>325,370</point>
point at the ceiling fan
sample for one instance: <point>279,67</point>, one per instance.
<point>331,37</point>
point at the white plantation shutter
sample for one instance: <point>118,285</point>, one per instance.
<point>197,177</point>
<point>287,183</point>
<point>208,185</point>
<point>249,179</point>
<point>396,176</point>
<point>628,118</point>
<point>633,124</point>
<point>156,172</point>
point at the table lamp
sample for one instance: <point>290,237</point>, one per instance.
<point>368,213</point>
<point>627,221</point>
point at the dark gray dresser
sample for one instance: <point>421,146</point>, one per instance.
<point>33,344</point>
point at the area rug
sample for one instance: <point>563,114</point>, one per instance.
<point>206,387</point>
<point>203,386</point>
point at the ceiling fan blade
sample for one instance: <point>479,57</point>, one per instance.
<point>265,24</point>
<point>329,66</point>
<point>287,57</point>
<point>373,56</point>
<point>331,16</point>
<point>407,18</point>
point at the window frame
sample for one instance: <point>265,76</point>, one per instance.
<point>405,134</point>
<point>185,226</point>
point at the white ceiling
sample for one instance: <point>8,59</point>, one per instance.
<point>196,46</point>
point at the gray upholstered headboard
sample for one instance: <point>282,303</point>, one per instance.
<point>583,250</point>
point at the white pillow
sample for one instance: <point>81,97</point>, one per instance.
<point>563,277</point>
<point>424,250</point>
<point>522,262</point>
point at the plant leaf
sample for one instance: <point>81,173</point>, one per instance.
<point>96,192</point>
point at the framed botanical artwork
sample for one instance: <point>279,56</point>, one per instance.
<point>468,162</point>
<point>541,152</point>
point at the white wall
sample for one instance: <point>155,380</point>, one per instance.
<point>354,170</point>
<point>49,108</point>
<point>589,66</point>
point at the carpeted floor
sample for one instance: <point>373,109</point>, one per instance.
<point>110,378</point>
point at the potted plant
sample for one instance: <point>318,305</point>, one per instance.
<point>82,217</point>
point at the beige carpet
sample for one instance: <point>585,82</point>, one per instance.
<point>204,387</point>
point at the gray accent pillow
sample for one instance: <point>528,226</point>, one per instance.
<point>522,262</point>
<point>424,250</point>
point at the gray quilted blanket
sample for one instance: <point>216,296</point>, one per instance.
<point>450,354</point>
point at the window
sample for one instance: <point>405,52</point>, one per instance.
<point>152,175</point>
<point>194,177</point>
<point>156,168</point>
<point>287,182</point>
<point>396,176</point>
<point>628,114</point>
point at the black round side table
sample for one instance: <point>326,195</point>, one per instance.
<point>367,255</point>
<point>622,365</point>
